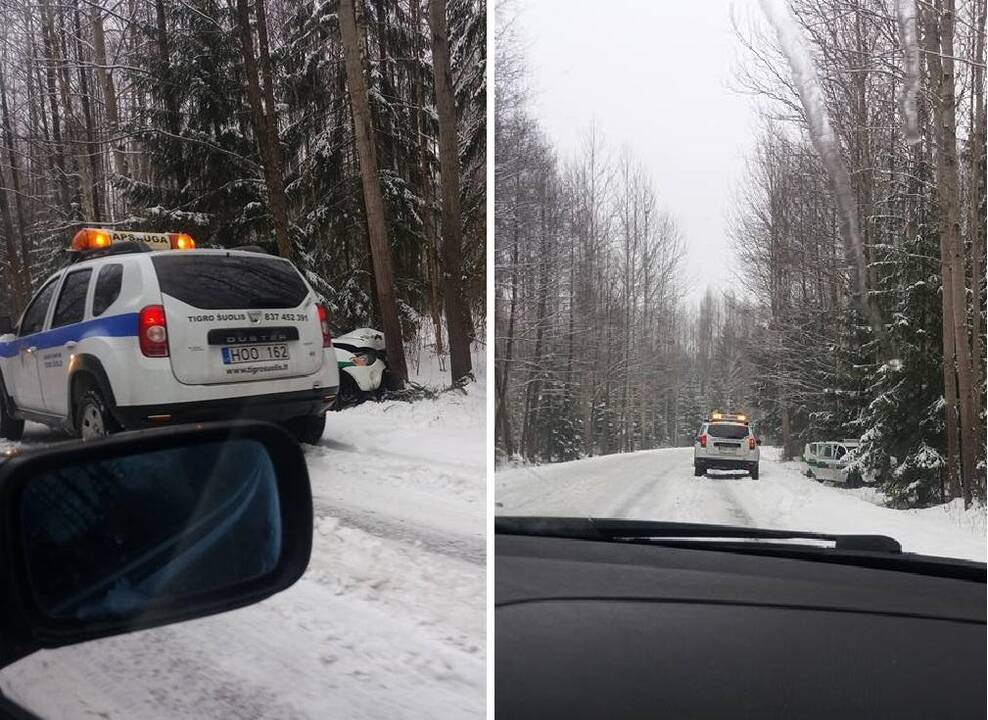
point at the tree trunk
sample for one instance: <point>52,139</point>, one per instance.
<point>91,149</point>
<point>51,80</point>
<point>15,173</point>
<point>950,385</point>
<point>168,89</point>
<point>428,194</point>
<point>109,92</point>
<point>502,410</point>
<point>373,202</point>
<point>941,63</point>
<point>458,320</point>
<point>265,120</point>
<point>976,212</point>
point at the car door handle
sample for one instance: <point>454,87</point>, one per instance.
<point>71,344</point>
<point>30,350</point>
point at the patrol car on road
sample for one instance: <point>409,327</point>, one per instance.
<point>726,442</point>
<point>143,329</point>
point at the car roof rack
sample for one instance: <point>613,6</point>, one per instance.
<point>126,247</point>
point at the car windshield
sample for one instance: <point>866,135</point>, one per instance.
<point>772,210</point>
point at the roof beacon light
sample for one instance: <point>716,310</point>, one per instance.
<point>719,415</point>
<point>99,238</point>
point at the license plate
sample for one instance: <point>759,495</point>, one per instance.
<point>254,353</point>
<point>729,450</point>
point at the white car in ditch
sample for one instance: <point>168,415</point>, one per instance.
<point>833,462</point>
<point>363,365</point>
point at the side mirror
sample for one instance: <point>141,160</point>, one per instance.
<point>758,441</point>
<point>141,530</point>
<point>6,325</point>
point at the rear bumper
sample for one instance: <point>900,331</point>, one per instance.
<point>715,463</point>
<point>274,407</point>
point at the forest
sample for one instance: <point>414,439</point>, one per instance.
<point>859,228</point>
<point>346,135</point>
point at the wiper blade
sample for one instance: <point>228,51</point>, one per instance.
<point>611,529</point>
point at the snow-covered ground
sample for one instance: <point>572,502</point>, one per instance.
<point>388,621</point>
<point>659,485</point>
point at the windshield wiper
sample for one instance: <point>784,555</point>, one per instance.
<point>613,530</point>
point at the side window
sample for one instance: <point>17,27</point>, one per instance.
<point>107,288</point>
<point>71,307</point>
<point>34,317</point>
<point>841,452</point>
<point>828,451</point>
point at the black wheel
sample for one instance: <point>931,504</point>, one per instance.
<point>753,473</point>
<point>854,479</point>
<point>92,419</point>
<point>699,470</point>
<point>348,393</point>
<point>10,427</point>
<point>308,429</point>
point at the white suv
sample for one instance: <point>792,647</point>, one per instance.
<point>726,442</point>
<point>128,337</point>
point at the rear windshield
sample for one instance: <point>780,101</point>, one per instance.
<point>727,430</point>
<point>228,282</point>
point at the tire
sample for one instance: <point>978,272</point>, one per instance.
<point>753,473</point>
<point>699,470</point>
<point>308,429</point>
<point>92,419</point>
<point>10,427</point>
<point>348,393</point>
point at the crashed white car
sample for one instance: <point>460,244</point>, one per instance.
<point>832,462</point>
<point>362,362</point>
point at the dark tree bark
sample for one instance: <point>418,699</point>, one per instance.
<point>265,119</point>
<point>458,320</point>
<point>15,181</point>
<point>940,33</point>
<point>373,201</point>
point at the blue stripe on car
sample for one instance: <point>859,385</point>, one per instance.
<point>112,326</point>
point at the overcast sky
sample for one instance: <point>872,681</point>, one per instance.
<point>654,75</point>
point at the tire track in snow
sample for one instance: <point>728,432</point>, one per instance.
<point>459,547</point>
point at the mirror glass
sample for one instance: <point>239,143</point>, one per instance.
<point>107,539</point>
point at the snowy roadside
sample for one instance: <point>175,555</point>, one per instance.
<point>659,485</point>
<point>388,621</point>
<point>947,530</point>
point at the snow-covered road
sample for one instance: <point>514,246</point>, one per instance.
<point>659,485</point>
<point>388,621</point>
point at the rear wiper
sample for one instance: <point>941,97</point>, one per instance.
<point>612,530</point>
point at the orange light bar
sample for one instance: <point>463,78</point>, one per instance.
<point>182,241</point>
<point>97,238</point>
<point>91,239</point>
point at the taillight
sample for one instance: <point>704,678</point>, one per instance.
<point>751,442</point>
<point>327,334</point>
<point>152,331</point>
<point>703,440</point>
